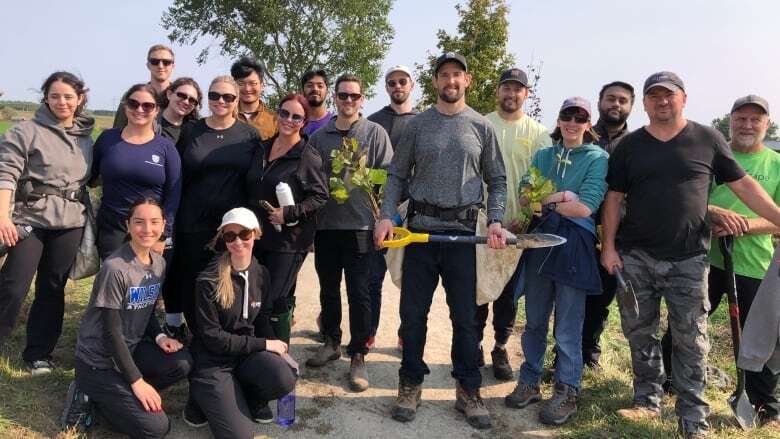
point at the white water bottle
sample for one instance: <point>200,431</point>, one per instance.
<point>285,197</point>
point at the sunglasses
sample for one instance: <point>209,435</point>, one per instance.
<point>146,107</point>
<point>185,97</point>
<point>568,117</point>
<point>157,61</point>
<point>286,115</point>
<point>349,96</point>
<point>245,235</point>
<point>392,82</point>
<point>227,97</point>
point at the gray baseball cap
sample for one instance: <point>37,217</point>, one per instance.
<point>514,74</point>
<point>576,102</point>
<point>450,56</point>
<point>751,100</point>
<point>667,80</point>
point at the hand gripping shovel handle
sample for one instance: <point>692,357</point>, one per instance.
<point>627,293</point>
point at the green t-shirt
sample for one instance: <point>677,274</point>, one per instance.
<point>752,253</point>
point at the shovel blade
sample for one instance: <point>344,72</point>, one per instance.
<point>743,410</point>
<point>537,240</point>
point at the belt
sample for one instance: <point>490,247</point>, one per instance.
<point>463,213</point>
<point>44,190</point>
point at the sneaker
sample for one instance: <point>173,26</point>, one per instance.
<point>371,342</point>
<point>501,368</point>
<point>409,398</point>
<point>358,374</point>
<point>329,351</point>
<point>193,415</point>
<point>40,367</point>
<point>469,402</point>
<point>180,333</point>
<point>558,409</point>
<point>522,396</point>
<point>77,414</point>
<point>639,412</point>
<point>262,414</point>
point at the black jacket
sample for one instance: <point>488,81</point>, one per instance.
<point>222,336</point>
<point>301,168</point>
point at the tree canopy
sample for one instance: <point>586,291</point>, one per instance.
<point>722,124</point>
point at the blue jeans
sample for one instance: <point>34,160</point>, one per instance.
<point>540,296</point>
<point>377,267</point>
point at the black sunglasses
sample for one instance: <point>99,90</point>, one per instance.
<point>227,97</point>
<point>245,235</point>
<point>568,117</point>
<point>186,97</point>
<point>157,61</point>
<point>295,118</point>
<point>392,82</point>
<point>146,107</point>
<point>349,96</point>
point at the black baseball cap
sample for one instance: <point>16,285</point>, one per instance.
<point>514,74</point>
<point>450,56</point>
<point>751,100</point>
<point>667,80</point>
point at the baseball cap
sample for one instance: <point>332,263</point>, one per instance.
<point>241,216</point>
<point>399,68</point>
<point>450,56</point>
<point>667,80</point>
<point>576,102</point>
<point>751,100</point>
<point>514,74</point>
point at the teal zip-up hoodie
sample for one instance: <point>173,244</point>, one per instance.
<point>582,170</point>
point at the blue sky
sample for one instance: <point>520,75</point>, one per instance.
<point>722,49</point>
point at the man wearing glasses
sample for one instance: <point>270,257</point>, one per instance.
<point>249,74</point>
<point>343,242</point>
<point>160,62</point>
<point>444,156</point>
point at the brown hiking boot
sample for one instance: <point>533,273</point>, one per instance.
<point>639,413</point>
<point>501,368</point>
<point>329,351</point>
<point>522,396</point>
<point>409,398</point>
<point>358,374</point>
<point>469,402</point>
<point>561,406</point>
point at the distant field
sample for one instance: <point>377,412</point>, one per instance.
<point>4,125</point>
<point>101,123</point>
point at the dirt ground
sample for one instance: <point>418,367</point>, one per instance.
<point>327,408</point>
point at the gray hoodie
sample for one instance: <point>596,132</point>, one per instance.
<point>761,336</point>
<point>40,151</point>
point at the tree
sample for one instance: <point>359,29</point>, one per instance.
<point>291,37</point>
<point>722,124</point>
<point>482,38</point>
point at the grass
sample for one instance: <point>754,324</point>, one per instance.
<point>101,123</point>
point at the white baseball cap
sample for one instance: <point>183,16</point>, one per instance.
<point>241,216</point>
<point>399,68</point>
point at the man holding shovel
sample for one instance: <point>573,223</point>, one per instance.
<point>667,166</point>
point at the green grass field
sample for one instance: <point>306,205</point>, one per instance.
<point>101,123</point>
<point>4,125</point>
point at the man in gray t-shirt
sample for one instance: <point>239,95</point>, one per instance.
<point>444,156</point>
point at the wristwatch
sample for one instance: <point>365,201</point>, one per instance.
<point>551,206</point>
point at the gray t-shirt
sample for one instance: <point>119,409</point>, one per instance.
<point>445,159</point>
<point>126,284</point>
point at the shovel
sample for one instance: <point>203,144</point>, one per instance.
<point>738,401</point>
<point>626,293</point>
<point>403,237</point>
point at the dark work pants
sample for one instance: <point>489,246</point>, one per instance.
<point>226,393</point>
<point>189,258</point>
<point>422,266</point>
<point>377,271</point>
<point>50,253</point>
<point>596,313</point>
<point>761,387</point>
<point>115,400</point>
<point>283,268</point>
<point>504,312</point>
<point>348,251</point>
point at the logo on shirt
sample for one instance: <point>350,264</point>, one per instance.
<point>155,160</point>
<point>254,304</point>
<point>142,297</point>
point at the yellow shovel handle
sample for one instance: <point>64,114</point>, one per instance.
<point>403,237</point>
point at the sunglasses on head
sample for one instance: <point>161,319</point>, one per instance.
<point>392,82</point>
<point>146,107</point>
<point>157,61</point>
<point>245,235</point>
<point>348,96</point>
<point>186,97</point>
<point>578,118</point>
<point>227,97</point>
<point>286,115</point>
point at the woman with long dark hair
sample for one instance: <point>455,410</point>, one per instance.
<point>44,167</point>
<point>286,159</point>
<point>180,103</point>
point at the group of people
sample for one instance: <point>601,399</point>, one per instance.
<point>189,210</point>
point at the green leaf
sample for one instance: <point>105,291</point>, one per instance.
<point>377,176</point>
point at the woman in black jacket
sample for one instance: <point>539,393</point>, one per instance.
<point>286,158</point>
<point>238,363</point>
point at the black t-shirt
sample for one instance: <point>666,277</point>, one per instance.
<point>169,130</point>
<point>667,189</point>
<point>214,167</point>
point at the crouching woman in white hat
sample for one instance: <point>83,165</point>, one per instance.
<point>238,365</point>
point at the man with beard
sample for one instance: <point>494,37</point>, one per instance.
<point>314,84</point>
<point>160,63</point>
<point>444,156</point>
<point>393,118</point>
<point>752,251</point>
<point>519,137</point>
<point>249,74</point>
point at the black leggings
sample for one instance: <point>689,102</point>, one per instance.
<point>283,268</point>
<point>225,393</point>
<point>50,253</point>
<point>190,257</point>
